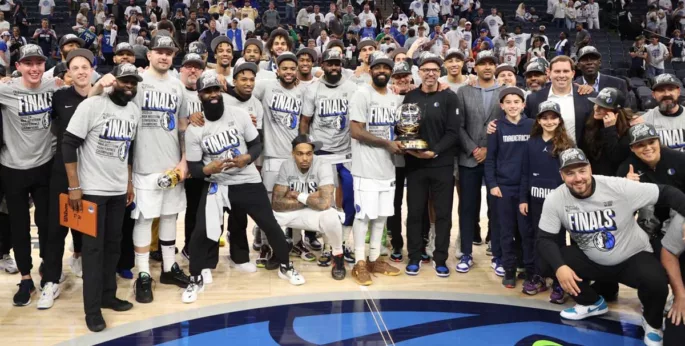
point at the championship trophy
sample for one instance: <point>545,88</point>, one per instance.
<point>169,179</point>
<point>408,117</point>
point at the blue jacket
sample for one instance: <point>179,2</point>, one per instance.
<point>505,154</point>
<point>539,171</point>
<point>238,38</point>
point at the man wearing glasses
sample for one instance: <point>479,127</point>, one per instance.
<point>430,171</point>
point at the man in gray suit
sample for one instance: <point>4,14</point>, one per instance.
<point>478,106</point>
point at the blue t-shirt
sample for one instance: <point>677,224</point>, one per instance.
<point>3,46</point>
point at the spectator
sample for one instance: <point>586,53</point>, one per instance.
<point>155,9</point>
<point>570,12</point>
<point>562,47</point>
<point>483,38</point>
<point>246,24</point>
<point>348,17</point>
<point>202,20</point>
<point>521,13</point>
<point>180,21</point>
<point>45,37</point>
<point>153,22</point>
<point>331,13</point>
<point>192,34</point>
<point>237,38</point>
<point>366,15</point>
<point>7,6</point>
<point>559,13</point>
<point>675,47</point>
<point>536,50</point>
<point>82,17</point>
<point>4,25</point>
<point>368,30</point>
<point>290,7</point>
<point>302,20</point>
<point>118,11</point>
<point>416,6</point>
<point>249,10</point>
<point>638,57</point>
<point>316,28</point>
<point>271,19</point>
<point>312,15</point>
<point>433,13</point>
<point>656,54</point>
<point>180,5</point>
<point>5,52</point>
<point>16,42</point>
<point>510,54</point>
<point>132,10</point>
<point>21,20</point>
<point>132,28</point>
<point>356,26</point>
<point>592,9</point>
<point>411,37</point>
<point>582,37</point>
<point>207,37</point>
<point>107,39</point>
<point>493,21</point>
<point>47,8</point>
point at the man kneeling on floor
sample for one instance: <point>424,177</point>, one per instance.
<point>609,244</point>
<point>303,198</point>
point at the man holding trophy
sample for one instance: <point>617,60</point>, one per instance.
<point>428,125</point>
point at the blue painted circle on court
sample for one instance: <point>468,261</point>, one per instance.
<point>405,322</point>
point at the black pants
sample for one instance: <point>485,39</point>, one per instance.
<point>56,232</point>
<point>5,235</point>
<point>250,199</point>
<point>641,271</point>
<point>534,213</point>
<point>127,258</point>
<point>470,183</point>
<point>193,196</point>
<point>395,222</point>
<point>18,184</point>
<point>101,253</point>
<point>439,182</point>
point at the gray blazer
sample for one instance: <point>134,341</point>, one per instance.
<point>473,130</point>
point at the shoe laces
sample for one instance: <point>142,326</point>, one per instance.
<point>465,259</point>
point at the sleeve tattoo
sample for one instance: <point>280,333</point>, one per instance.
<point>281,202</point>
<point>322,199</point>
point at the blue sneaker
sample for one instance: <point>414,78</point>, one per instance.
<point>465,264</point>
<point>126,274</point>
<point>441,269</point>
<point>496,265</point>
<point>653,336</point>
<point>413,267</point>
<point>396,255</point>
<point>580,312</point>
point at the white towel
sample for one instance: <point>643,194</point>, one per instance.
<point>217,200</point>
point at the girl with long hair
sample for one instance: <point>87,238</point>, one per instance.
<point>539,176</point>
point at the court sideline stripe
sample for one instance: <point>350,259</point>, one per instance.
<point>374,310</point>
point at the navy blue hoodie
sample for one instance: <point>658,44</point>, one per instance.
<point>539,172</point>
<point>505,154</point>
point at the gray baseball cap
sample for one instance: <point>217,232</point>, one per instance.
<point>548,106</point>
<point>207,80</point>
<point>642,132</point>
<point>31,51</point>
<point>193,58</point>
<point>572,156</point>
<point>163,42</point>
<point>126,70</point>
<point>124,47</point>
<point>666,79</point>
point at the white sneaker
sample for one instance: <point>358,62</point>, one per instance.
<point>385,251</point>
<point>191,292</point>
<point>8,265</point>
<point>457,246</point>
<point>289,273</point>
<point>47,298</point>
<point>580,312</point>
<point>76,266</point>
<point>430,247</point>
<point>207,276</point>
<point>653,337</point>
<point>247,267</point>
<point>63,277</point>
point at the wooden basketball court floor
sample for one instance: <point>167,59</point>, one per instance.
<point>65,320</point>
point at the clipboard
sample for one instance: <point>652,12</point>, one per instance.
<point>85,221</point>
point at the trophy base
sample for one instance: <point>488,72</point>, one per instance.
<point>414,144</point>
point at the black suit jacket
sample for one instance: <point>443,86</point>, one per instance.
<point>582,106</point>
<point>606,81</point>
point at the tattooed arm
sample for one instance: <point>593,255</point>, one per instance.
<point>282,200</point>
<point>182,126</point>
<point>321,199</point>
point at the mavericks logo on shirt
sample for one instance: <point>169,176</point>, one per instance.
<point>225,143</point>
<point>115,138</point>
<point>593,229</point>
<point>159,110</point>
<point>34,111</point>
<point>285,110</point>
<point>333,113</point>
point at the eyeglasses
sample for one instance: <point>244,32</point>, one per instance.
<point>430,70</point>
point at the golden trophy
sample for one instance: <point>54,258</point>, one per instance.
<point>408,118</point>
<point>169,179</point>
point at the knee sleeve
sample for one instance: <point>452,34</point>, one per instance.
<point>348,193</point>
<point>142,232</point>
<point>167,227</point>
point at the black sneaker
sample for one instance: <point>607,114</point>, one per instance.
<point>96,323</point>
<point>257,242</point>
<point>326,257</point>
<point>338,272</point>
<point>477,240</point>
<point>396,255</point>
<point>185,253</point>
<point>156,255</point>
<point>175,276</point>
<point>23,296</point>
<point>301,251</point>
<point>117,304</point>
<point>311,241</point>
<point>509,280</point>
<point>424,256</point>
<point>265,254</point>
<point>143,288</point>
<point>348,254</point>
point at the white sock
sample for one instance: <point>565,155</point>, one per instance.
<point>167,235</point>
<point>360,227</point>
<point>168,257</point>
<point>346,230</point>
<point>143,262</point>
<point>376,237</point>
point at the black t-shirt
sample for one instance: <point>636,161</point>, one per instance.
<point>64,104</point>
<point>637,62</point>
<point>677,47</point>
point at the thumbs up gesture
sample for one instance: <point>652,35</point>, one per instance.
<point>632,175</point>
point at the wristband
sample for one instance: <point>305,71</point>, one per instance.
<point>302,198</point>
<point>73,188</point>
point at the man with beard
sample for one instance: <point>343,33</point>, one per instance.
<point>612,247</point>
<point>223,52</point>
<point>372,111</point>
<point>282,103</point>
<point>361,75</point>
<point>124,54</point>
<point>454,63</point>
<point>253,54</point>
<point>667,118</point>
<point>26,158</point>
<point>159,167</point>
<point>536,75</point>
<point>222,151</point>
<point>325,115</point>
<point>305,60</point>
<point>279,42</point>
<point>68,43</point>
<point>303,198</point>
<point>589,63</point>
<point>191,69</point>
<point>102,131</point>
<point>64,103</point>
<point>431,171</point>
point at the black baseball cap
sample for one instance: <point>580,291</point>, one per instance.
<point>548,106</point>
<point>193,58</point>
<point>611,98</point>
<point>454,53</point>
<point>642,132</point>
<point>378,57</point>
<point>427,57</point>
<point>306,50</point>
<point>286,56</point>
<point>332,55</point>
<point>255,42</point>
<point>126,70</point>
<point>246,66</point>
<point>124,47</point>
<point>306,139</point>
<point>336,43</point>
<point>207,80</point>
<point>511,91</point>
<point>163,42</point>
<point>588,50</point>
<point>84,53</point>
<point>486,55</point>
<point>366,42</point>
<point>666,79</point>
<point>31,51</point>
<point>69,38</point>
<point>535,67</point>
<point>401,68</point>
<point>572,156</point>
<point>399,50</point>
<point>504,67</point>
